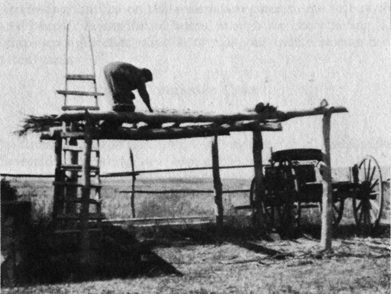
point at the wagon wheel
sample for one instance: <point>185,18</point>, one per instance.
<point>338,207</point>
<point>268,210</point>
<point>338,203</point>
<point>279,198</point>
<point>368,194</point>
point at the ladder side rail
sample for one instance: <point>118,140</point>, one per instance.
<point>66,63</point>
<point>93,67</point>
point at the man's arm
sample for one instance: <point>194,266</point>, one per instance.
<point>142,90</point>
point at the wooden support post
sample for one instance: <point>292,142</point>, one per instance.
<point>218,187</point>
<point>259,185</point>
<point>86,190</point>
<point>58,177</point>
<point>133,184</point>
<point>327,197</point>
<point>73,175</point>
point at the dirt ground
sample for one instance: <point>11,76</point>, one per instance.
<point>190,260</point>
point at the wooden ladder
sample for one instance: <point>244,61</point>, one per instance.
<point>79,77</point>
<point>77,206</point>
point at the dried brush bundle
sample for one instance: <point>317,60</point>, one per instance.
<point>37,124</point>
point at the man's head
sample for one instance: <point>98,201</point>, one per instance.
<point>147,74</point>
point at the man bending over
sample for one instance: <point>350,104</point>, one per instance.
<point>123,78</point>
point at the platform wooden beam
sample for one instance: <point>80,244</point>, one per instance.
<point>169,133</point>
<point>134,117</point>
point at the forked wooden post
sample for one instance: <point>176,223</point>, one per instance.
<point>218,187</point>
<point>258,173</point>
<point>327,197</point>
<point>86,190</point>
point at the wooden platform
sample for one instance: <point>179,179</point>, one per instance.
<point>166,133</point>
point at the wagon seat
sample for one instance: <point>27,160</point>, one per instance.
<point>305,163</point>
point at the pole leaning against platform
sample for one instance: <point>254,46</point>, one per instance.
<point>327,197</point>
<point>86,190</point>
<point>218,187</point>
<point>258,174</point>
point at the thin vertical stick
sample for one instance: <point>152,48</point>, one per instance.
<point>327,197</point>
<point>258,173</point>
<point>66,64</point>
<point>218,187</point>
<point>93,66</point>
<point>133,184</point>
<point>86,174</point>
<point>92,53</point>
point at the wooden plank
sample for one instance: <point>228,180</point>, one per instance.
<point>218,188</point>
<point>80,77</point>
<point>76,148</point>
<point>79,93</point>
<point>327,199</point>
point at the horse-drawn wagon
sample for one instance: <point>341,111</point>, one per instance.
<point>293,182</point>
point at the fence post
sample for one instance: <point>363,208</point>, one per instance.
<point>327,197</point>
<point>58,177</point>
<point>132,197</point>
<point>258,174</point>
<point>218,187</point>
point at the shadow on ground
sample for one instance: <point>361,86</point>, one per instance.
<point>127,252</point>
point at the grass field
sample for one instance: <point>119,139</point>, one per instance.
<point>187,259</point>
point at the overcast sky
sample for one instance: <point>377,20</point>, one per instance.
<point>221,56</point>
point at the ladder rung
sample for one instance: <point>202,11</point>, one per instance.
<point>76,148</point>
<point>76,107</point>
<point>77,167</point>
<point>78,215</point>
<point>81,77</point>
<point>79,93</point>
<point>79,200</point>
<point>72,184</point>
<point>76,231</point>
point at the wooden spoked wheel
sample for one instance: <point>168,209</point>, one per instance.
<point>278,200</point>
<point>368,194</point>
<point>338,202</point>
<point>338,207</point>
